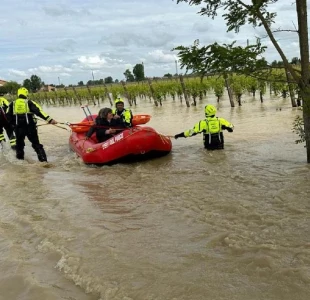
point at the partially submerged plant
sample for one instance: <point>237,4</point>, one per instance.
<point>298,128</point>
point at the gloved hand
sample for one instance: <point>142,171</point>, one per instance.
<point>54,122</point>
<point>179,135</point>
<point>229,129</point>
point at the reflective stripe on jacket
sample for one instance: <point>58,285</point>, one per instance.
<point>210,125</point>
<point>24,109</point>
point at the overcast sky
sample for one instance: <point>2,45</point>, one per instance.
<point>69,40</point>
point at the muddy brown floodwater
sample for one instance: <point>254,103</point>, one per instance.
<point>194,225</point>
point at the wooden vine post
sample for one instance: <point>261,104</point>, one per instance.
<point>290,89</point>
<point>90,95</point>
<point>108,94</point>
<point>230,94</point>
<point>153,92</point>
<point>126,93</point>
<point>184,90</point>
<point>56,96</point>
<point>46,97</point>
<point>77,95</point>
<point>67,95</point>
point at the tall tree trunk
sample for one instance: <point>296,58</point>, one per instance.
<point>304,84</point>
<point>305,95</point>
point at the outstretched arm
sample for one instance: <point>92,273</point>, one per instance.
<point>226,125</point>
<point>198,128</point>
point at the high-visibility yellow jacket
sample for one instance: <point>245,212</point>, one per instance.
<point>212,129</point>
<point>24,111</point>
<point>125,114</point>
<point>4,103</point>
<point>210,125</point>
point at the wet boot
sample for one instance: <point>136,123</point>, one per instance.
<point>20,154</point>
<point>41,154</point>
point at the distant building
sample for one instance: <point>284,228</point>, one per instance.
<point>48,88</point>
<point>2,82</point>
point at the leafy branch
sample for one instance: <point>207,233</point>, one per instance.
<point>298,128</point>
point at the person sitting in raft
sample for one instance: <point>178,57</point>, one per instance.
<point>120,112</point>
<point>211,127</point>
<point>103,125</point>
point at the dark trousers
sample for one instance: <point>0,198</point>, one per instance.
<point>214,141</point>
<point>8,128</point>
<point>29,131</point>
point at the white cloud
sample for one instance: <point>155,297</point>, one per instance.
<point>95,62</point>
<point>71,38</point>
<point>50,69</point>
<point>158,56</point>
<point>17,73</point>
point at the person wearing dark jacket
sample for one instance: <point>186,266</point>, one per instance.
<point>4,124</point>
<point>104,124</point>
<point>21,115</point>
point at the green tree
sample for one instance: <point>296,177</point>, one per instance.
<point>108,79</point>
<point>222,59</point>
<point>168,75</point>
<point>36,83</point>
<point>217,58</point>
<point>128,75</point>
<point>2,90</point>
<point>295,61</point>
<point>138,72</point>
<point>237,13</point>
<point>27,84</point>
<point>33,84</point>
<point>80,83</point>
<point>10,87</point>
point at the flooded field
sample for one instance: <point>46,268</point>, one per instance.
<point>193,225</point>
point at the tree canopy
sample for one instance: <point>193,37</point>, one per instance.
<point>33,84</point>
<point>237,13</point>
<point>128,75</point>
<point>217,58</point>
<point>10,87</point>
<point>138,72</point>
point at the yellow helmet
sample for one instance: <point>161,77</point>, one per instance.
<point>22,92</point>
<point>210,110</point>
<point>118,100</point>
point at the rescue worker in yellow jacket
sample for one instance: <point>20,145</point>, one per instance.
<point>4,104</point>
<point>22,113</point>
<point>121,112</point>
<point>212,128</point>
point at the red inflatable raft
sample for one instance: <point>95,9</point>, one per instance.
<point>132,144</point>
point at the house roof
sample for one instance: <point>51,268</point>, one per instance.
<point>2,82</point>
